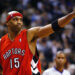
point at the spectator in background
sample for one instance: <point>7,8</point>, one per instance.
<point>58,69</point>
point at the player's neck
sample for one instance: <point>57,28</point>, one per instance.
<point>12,34</point>
<point>59,68</point>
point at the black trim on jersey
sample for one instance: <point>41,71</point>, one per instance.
<point>36,57</point>
<point>36,74</point>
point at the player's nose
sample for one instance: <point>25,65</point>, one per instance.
<point>19,22</point>
<point>60,60</point>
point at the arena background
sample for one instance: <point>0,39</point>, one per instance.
<point>40,13</point>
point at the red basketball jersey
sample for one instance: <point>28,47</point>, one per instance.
<point>15,56</point>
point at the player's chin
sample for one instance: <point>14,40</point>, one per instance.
<point>18,28</point>
<point>61,64</point>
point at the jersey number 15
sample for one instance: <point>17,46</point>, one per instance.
<point>16,63</point>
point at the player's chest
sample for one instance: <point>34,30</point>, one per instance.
<point>13,45</point>
<point>13,49</point>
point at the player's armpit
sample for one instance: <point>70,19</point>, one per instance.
<point>31,33</point>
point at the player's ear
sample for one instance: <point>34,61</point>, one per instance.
<point>65,60</point>
<point>7,23</point>
<point>54,59</point>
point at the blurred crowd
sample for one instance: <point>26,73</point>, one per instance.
<point>41,13</point>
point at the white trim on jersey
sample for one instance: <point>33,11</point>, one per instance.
<point>34,71</point>
<point>33,63</point>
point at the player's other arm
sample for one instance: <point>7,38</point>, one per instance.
<point>41,32</point>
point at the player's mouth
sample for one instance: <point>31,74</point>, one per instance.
<point>19,24</point>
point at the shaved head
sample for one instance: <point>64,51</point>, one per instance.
<point>60,59</point>
<point>60,52</point>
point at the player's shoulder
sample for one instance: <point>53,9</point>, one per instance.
<point>34,29</point>
<point>4,37</point>
<point>67,72</point>
<point>49,70</point>
<point>23,31</point>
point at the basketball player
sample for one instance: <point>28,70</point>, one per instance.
<point>58,69</point>
<point>18,46</point>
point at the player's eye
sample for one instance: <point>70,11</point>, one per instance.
<point>15,19</point>
<point>62,57</point>
<point>58,57</point>
<point>21,19</point>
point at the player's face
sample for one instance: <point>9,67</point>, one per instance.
<point>15,23</point>
<point>60,59</point>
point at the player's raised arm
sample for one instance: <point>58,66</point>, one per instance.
<point>66,19</point>
<point>41,32</point>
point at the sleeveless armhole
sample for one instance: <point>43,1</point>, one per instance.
<point>25,31</point>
